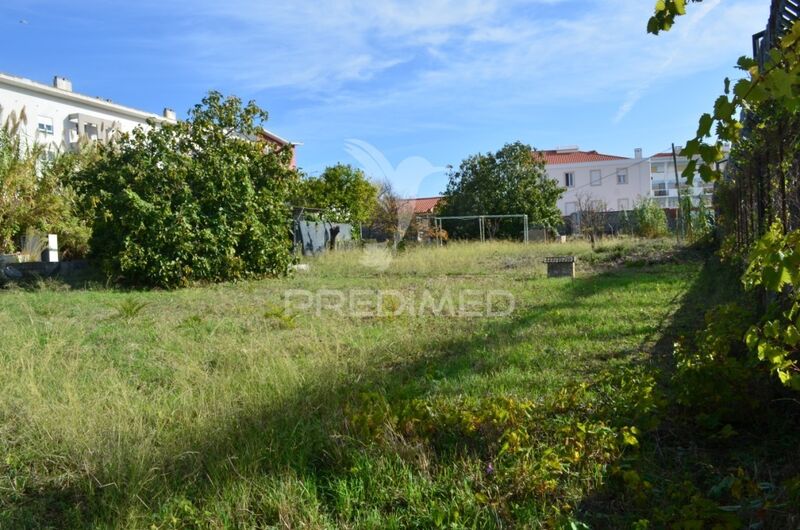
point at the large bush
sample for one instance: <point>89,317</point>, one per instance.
<point>200,200</point>
<point>35,195</point>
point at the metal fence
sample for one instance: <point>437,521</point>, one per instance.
<point>764,185</point>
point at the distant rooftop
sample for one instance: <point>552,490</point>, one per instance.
<point>423,205</point>
<point>573,155</point>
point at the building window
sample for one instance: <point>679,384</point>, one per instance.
<point>596,177</point>
<point>91,131</point>
<point>622,176</point>
<point>47,156</point>
<point>623,205</point>
<point>657,168</point>
<point>569,180</point>
<point>45,125</point>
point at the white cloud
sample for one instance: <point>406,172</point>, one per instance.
<point>423,54</point>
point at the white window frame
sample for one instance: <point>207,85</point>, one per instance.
<point>622,176</point>
<point>44,125</point>
<point>660,165</point>
<point>569,179</point>
<point>599,180</point>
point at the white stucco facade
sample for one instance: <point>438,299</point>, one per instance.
<point>618,183</point>
<point>57,117</point>
<point>613,183</point>
<point>666,187</point>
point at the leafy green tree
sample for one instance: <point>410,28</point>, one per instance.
<point>342,191</point>
<point>196,200</point>
<point>511,181</point>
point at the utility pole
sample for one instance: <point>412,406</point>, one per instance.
<point>678,219</point>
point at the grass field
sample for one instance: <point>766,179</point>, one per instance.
<point>214,407</point>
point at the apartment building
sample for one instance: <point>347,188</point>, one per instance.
<point>618,183</point>
<point>667,186</point>
<point>607,182</point>
<point>58,118</point>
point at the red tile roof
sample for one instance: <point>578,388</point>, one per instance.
<point>665,155</point>
<point>554,157</point>
<point>424,205</point>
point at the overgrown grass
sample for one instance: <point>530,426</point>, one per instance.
<point>216,407</point>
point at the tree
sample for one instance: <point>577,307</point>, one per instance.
<point>511,181</point>
<point>194,200</point>
<point>343,192</point>
<point>391,216</point>
<point>591,216</point>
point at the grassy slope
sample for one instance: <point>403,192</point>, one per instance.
<point>205,409</point>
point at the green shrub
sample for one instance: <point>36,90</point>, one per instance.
<point>199,200</point>
<point>649,219</point>
<point>35,195</point>
<point>715,377</point>
<point>696,222</point>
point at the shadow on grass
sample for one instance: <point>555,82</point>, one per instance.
<point>693,476</point>
<point>300,433</point>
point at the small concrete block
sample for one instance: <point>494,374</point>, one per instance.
<point>560,267</point>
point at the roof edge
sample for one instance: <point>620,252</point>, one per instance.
<point>34,86</point>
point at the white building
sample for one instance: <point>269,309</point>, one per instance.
<point>666,185</point>
<point>613,183</point>
<point>58,118</point>
<point>618,183</point>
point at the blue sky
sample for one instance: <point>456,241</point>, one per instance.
<point>436,79</point>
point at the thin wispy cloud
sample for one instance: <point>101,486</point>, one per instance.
<point>440,49</point>
<point>435,78</point>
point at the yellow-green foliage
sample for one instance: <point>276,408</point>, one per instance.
<point>775,266</point>
<point>220,407</point>
<point>649,219</point>
<point>35,195</point>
